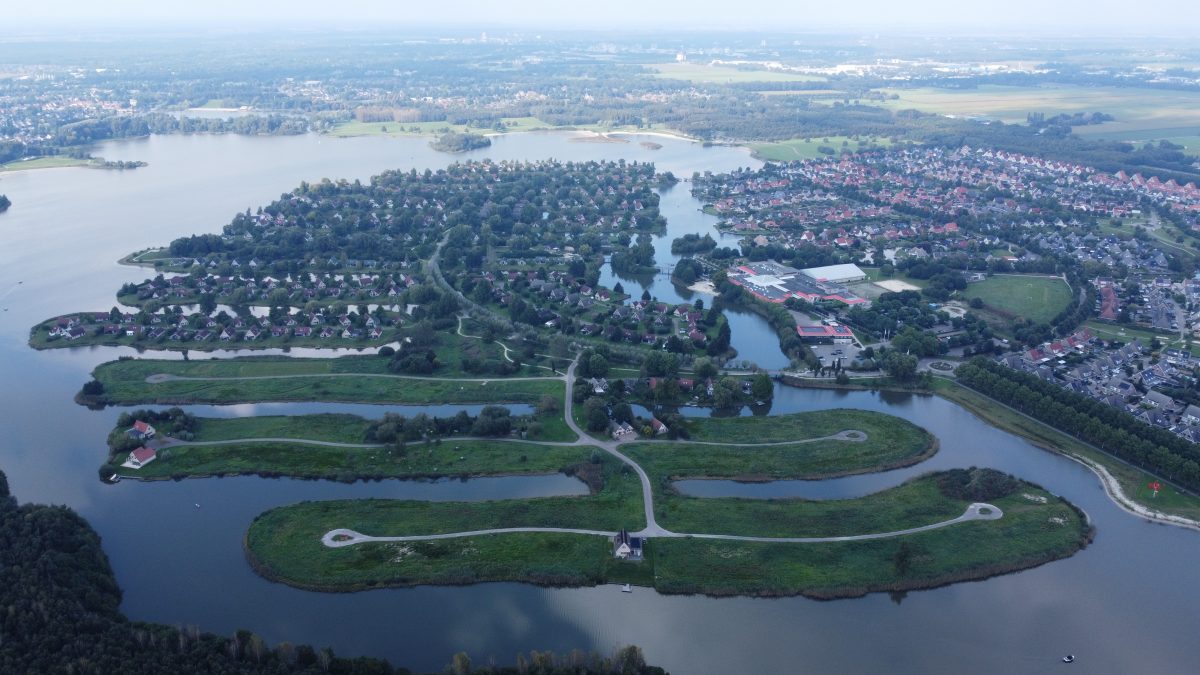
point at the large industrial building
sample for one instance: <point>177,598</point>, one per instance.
<point>774,282</point>
<point>835,274</point>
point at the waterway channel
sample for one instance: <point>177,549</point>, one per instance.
<point>1125,604</point>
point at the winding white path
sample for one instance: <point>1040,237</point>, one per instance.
<point>344,537</point>
<point>341,537</point>
<point>159,378</point>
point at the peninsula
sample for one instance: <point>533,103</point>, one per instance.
<point>481,284</point>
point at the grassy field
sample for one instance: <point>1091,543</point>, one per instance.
<point>1025,537</point>
<point>44,163</point>
<point>334,428</point>
<point>355,128</point>
<point>709,74</point>
<point>1112,331</point>
<point>880,428</point>
<point>307,380</point>
<point>284,545</point>
<point>416,460</point>
<point>807,148</point>
<point>915,503</point>
<point>1135,110</point>
<point>1133,481</point>
<point>1039,299</point>
<point>821,459</point>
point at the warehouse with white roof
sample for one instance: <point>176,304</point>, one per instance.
<point>835,274</point>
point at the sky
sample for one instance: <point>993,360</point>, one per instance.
<point>1011,17</point>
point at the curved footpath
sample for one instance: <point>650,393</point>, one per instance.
<point>159,378</point>
<point>344,537</point>
<point>849,435</point>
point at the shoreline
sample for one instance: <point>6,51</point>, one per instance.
<point>1109,482</point>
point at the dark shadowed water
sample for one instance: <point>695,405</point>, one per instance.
<point>1127,604</point>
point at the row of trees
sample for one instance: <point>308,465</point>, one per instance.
<point>492,420</point>
<point>1111,429</point>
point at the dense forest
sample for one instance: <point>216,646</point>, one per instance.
<point>1111,429</point>
<point>62,616</point>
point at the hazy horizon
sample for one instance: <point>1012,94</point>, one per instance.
<point>1065,19</point>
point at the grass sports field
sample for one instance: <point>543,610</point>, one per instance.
<point>1036,298</point>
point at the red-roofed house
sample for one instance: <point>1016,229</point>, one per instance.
<point>658,427</point>
<point>139,458</point>
<point>141,430</point>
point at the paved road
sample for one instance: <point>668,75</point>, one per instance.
<point>344,537</point>
<point>848,435</point>
<point>652,528</point>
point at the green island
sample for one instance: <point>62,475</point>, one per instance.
<point>460,142</point>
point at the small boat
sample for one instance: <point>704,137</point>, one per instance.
<point>197,506</point>
<point>627,588</point>
<point>1069,658</point>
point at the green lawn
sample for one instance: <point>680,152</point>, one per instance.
<point>335,428</point>
<point>1112,331</point>
<point>821,459</point>
<point>1025,537</point>
<point>915,503</point>
<point>418,459</point>
<point>125,383</point>
<point>1038,299</point>
<point>880,427</point>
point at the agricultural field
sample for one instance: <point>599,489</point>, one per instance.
<point>1157,112</point>
<point>1038,299</point>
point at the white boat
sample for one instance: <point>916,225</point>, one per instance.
<point>1069,658</point>
<point>627,588</point>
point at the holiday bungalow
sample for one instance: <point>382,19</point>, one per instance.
<point>626,547</point>
<point>139,458</point>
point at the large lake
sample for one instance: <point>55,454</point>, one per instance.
<point>1126,604</point>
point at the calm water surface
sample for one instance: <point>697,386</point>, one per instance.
<point>1126,604</point>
